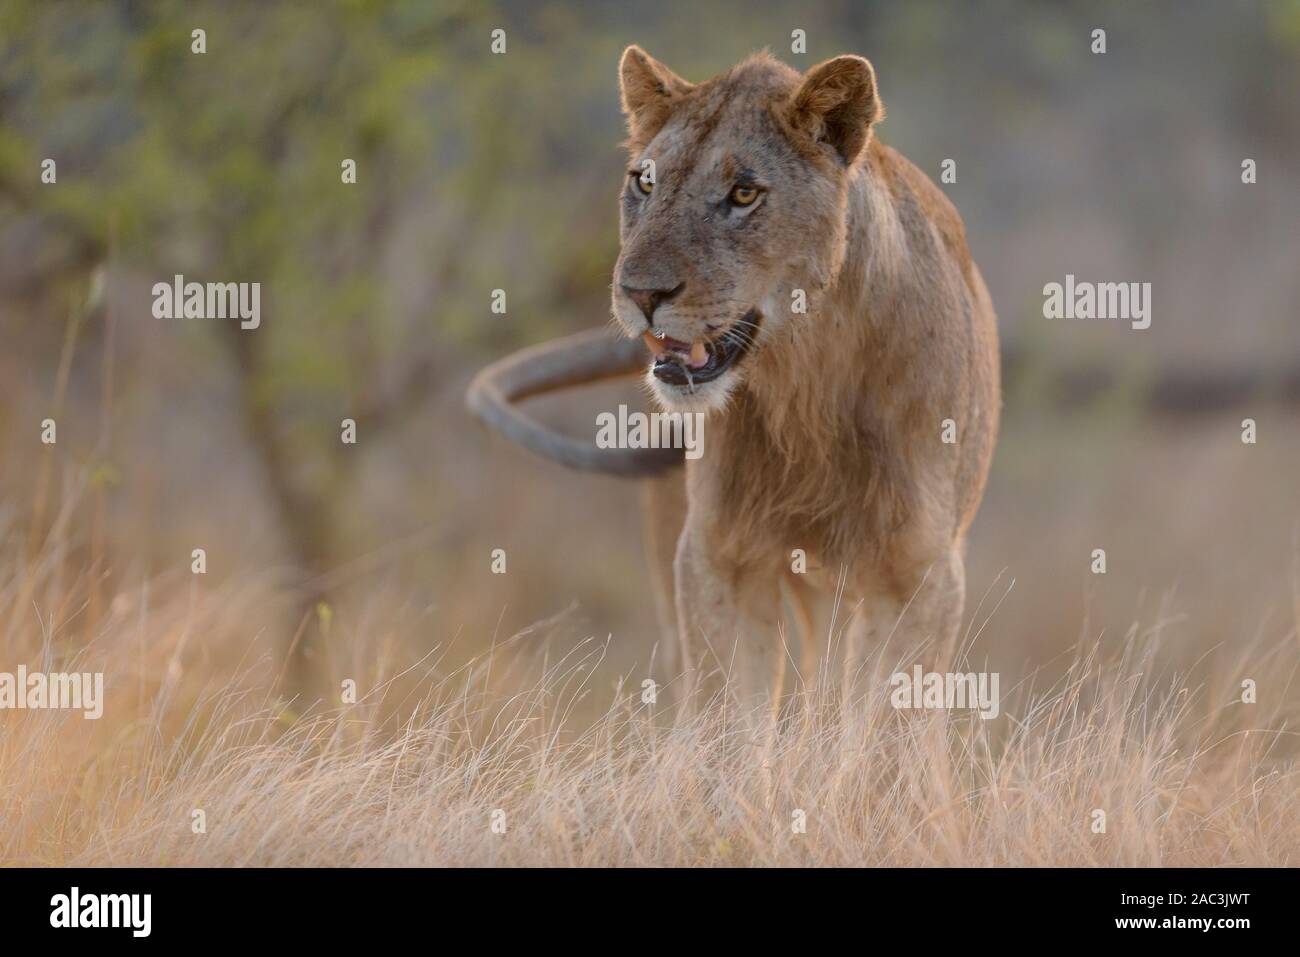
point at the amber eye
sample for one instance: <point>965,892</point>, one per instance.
<point>744,195</point>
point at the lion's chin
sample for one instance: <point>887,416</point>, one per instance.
<point>706,397</point>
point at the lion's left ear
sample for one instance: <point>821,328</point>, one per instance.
<point>649,90</point>
<point>837,104</point>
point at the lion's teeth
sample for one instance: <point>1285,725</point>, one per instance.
<point>698,354</point>
<point>655,345</point>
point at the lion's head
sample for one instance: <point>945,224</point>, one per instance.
<point>734,204</point>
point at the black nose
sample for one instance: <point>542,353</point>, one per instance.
<point>650,299</point>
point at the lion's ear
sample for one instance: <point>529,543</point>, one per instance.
<point>837,104</point>
<point>649,91</point>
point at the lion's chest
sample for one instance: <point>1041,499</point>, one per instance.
<point>771,501</point>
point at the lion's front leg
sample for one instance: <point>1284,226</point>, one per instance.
<point>727,621</point>
<point>925,611</point>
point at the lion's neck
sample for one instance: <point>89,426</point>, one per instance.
<point>839,413</point>
<point>817,420</point>
<point>809,394</point>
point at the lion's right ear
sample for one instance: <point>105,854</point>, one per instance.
<point>649,91</point>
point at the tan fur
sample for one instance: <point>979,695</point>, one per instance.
<point>826,436</point>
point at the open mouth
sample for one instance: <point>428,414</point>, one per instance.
<point>694,363</point>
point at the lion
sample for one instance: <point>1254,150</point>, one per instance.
<point>810,291</point>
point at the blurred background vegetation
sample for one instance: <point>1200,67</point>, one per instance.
<point>478,171</point>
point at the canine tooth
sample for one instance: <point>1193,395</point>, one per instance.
<point>655,345</point>
<point>698,355</point>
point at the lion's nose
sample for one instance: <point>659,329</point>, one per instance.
<point>650,299</point>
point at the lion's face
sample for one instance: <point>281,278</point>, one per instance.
<point>733,213</point>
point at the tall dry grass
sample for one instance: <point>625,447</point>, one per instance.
<point>587,773</point>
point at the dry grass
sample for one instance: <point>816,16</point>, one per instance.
<point>412,773</point>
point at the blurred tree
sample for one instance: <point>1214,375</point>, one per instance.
<point>227,165</point>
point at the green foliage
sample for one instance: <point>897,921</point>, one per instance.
<point>226,165</point>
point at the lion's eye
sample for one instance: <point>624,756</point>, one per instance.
<point>744,195</point>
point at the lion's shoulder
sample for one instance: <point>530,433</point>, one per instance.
<point>916,197</point>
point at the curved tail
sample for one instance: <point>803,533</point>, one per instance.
<point>578,359</point>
